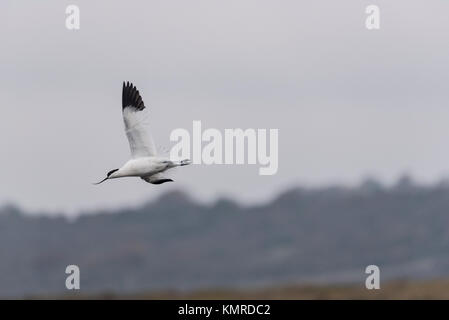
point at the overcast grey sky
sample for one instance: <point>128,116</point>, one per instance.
<point>348,102</point>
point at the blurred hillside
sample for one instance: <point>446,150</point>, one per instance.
<point>319,236</point>
<point>404,290</point>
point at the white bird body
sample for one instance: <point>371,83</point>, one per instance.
<point>144,162</point>
<point>142,167</point>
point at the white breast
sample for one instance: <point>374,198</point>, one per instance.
<point>141,167</point>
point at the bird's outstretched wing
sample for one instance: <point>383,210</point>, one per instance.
<point>140,141</point>
<point>157,178</point>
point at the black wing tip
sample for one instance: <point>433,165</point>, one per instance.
<point>161,181</point>
<point>131,97</point>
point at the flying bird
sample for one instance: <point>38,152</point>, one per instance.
<point>144,162</point>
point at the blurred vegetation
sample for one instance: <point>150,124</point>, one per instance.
<point>318,236</point>
<point>430,289</point>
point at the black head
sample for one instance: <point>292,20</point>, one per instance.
<point>107,176</point>
<point>111,172</point>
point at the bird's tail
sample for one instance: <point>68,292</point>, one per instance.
<point>182,162</point>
